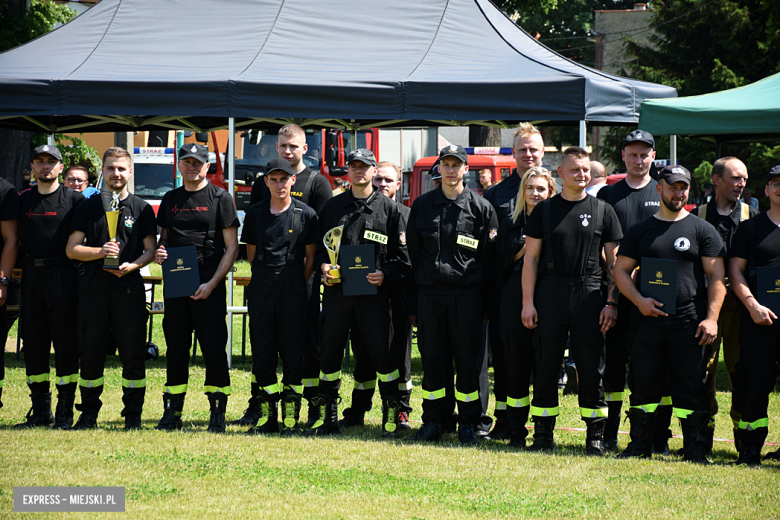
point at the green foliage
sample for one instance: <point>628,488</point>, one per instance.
<point>703,172</point>
<point>40,19</point>
<point>78,152</point>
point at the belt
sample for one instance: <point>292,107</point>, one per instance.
<point>569,281</point>
<point>46,262</point>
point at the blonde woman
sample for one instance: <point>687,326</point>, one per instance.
<point>537,185</point>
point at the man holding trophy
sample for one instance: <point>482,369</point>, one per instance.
<point>114,234</point>
<point>359,217</point>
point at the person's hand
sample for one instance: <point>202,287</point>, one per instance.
<point>327,276</point>
<point>529,316</point>
<point>160,255</point>
<point>708,330</point>
<point>650,307</point>
<point>376,278</point>
<point>110,249</point>
<point>203,291</point>
<point>761,315</point>
<point>607,318</point>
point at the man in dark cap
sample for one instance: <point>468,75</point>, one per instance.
<point>199,214</point>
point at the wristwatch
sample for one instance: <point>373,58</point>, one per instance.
<point>4,281</point>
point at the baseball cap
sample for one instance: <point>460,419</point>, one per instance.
<point>48,149</point>
<point>363,155</point>
<point>198,151</point>
<point>676,173</point>
<point>639,136</point>
<point>278,164</point>
<point>435,174</point>
<point>454,150</point>
<point>773,172</point>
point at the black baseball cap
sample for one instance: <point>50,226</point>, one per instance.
<point>676,173</point>
<point>195,150</point>
<point>639,136</point>
<point>278,164</point>
<point>454,150</point>
<point>47,149</point>
<point>363,155</point>
<point>774,171</point>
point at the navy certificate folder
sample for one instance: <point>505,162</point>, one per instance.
<point>356,262</point>
<point>658,280</point>
<point>768,288</point>
<point>180,272</point>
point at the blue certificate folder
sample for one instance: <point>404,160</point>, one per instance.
<point>181,277</point>
<point>356,262</point>
<point>658,280</point>
<point>768,288</point>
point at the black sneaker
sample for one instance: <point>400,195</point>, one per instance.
<point>466,434</point>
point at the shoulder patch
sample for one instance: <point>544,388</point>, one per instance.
<point>493,234</point>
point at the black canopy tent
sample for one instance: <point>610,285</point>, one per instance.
<point>191,64</point>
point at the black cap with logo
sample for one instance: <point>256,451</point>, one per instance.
<point>278,165</point>
<point>676,173</point>
<point>454,150</point>
<point>48,149</point>
<point>363,155</point>
<point>639,136</point>
<point>774,171</point>
<point>198,151</point>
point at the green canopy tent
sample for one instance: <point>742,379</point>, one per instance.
<point>750,113</point>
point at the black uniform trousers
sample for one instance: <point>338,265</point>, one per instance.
<point>107,302</point>
<point>370,315</point>
<point>758,363</point>
<point>49,296</point>
<point>500,360</point>
<point>449,328</point>
<point>400,348</point>
<point>207,319</point>
<point>311,341</point>
<point>568,305</point>
<point>517,342</point>
<point>276,296</point>
<point>665,348</point>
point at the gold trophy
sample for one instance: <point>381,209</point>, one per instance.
<point>112,218</point>
<point>332,241</point>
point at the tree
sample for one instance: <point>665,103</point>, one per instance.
<point>21,21</point>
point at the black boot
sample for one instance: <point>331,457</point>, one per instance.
<point>40,412</point>
<point>466,434</point>
<point>390,419</point>
<point>217,407</point>
<point>313,415</point>
<point>594,440</point>
<point>661,431</point>
<point>268,422</point>
<point>612,425</point>
<point>251,414</point>
<point>133,422</point>
<point>428,432</point>
<point>63,415</point>
<point>291,405</point>
<point>87,419</point>
<point>543,434</point>
<point>500,431</point>
<point>328,424</point>
<point>403,422</point>
<point>749,455</point>
<point>694,432</point>
<point>174,407</point>
<point>773,455</point>
<point>709,437</point>
<point>352,417</point>
<point>1,396</point>
<point>642,425</point>
<point>133,399</point>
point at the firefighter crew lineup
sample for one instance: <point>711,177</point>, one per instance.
<point>548,267</point>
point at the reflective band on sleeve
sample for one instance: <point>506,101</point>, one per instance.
<point>500,405</point>
<point>335,376</point>
<point>310,383</point>
<point>271,389</point>
<point>217,390</point>
<point>545,412</point>
<point>92,383</point>
<point>435,394</point>
<point>666,401</point>
<point>389,378</point>
<point>467,398</point>
<point>518,403</point>
<point>750,426</point>
<point>407,385</point>
<point>134,383</point>
<point>178,389</point>
<point>612,397</point>
<point>592,413</point>
<point>38,378</point>
<point>298,389</point>
<point>681,413</point>
<point>647,408</point>
<point>364,385</point>
<point>72,378</point>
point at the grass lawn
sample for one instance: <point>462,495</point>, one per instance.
<point>193,474</point>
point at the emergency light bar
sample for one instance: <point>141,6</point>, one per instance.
<point>153,150</point>
<point>488,150</point>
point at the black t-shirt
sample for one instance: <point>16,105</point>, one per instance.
<point>9,204</point>
<point>136,222</point>
<point>726,224</point>
<point>186,216</point>
<point>686,241</point>
<point>757,240</point>
<point>45,221</point>
<point>571,233</point>
<point>315,197</point>
<point>271,233</point>
<point>631,206</point>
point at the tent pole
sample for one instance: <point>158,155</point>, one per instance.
<point>583,134</point>
<point>50,140</point>
<point>231,189</point>
<point>672,150</point>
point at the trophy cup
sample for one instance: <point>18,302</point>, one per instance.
<point>112,218</point>
<point>332,241</point>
